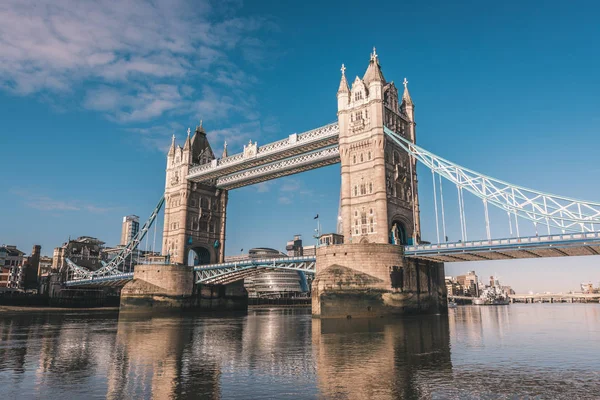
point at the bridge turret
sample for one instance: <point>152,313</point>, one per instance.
<point>194,223</point>
<point>343,93</point>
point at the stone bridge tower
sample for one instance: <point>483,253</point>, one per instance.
<point>195,213</point>
<point>368,275</point>
<point>379,198</point>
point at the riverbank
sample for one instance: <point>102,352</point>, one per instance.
<point>22,309</point>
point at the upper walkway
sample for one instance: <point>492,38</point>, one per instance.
<point>296,153</point>
<point>573,244</point>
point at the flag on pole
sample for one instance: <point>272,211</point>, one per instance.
<point>317,217</point>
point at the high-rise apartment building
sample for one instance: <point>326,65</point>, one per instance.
<point>131,226</point>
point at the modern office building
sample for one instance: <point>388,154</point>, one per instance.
<point>131,226</point>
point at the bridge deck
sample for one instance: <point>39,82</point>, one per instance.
<point>107,280</point>
<point>565,245</point>
<point>292,146</point>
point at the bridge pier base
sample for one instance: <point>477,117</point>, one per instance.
<point>375,280</point>
<point>170,288</point>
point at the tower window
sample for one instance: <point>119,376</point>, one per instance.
<point>363,189</point>
<point>370,187</point>
<point>361,157</point>
<point>354,159</point>
<point>368,155</point>
<point>356,190</point>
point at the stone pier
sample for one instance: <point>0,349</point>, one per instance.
<point>170,288</point>
<point>375,280</point>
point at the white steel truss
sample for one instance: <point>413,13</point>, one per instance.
<point>289,166</point>
<point>230,272</point>
<point>554,211</point>
<point>112,268</point>
<point>293,145</point>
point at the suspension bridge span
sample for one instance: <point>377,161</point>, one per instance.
<point>381,250</point>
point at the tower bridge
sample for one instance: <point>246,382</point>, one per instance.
<point>382,266</point>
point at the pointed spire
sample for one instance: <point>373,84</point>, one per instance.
<point>373,72</point>
<point>224,150</point>
<point>188,144</point>
<point>200,129</point>
<point>406,99</point>
<point>343,82</point>
<point>172,148</point>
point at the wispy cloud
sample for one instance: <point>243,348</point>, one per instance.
<point>134,60</point>
<point>47,203</point>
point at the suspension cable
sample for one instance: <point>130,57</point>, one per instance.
<point>487,220</point>
<point>462,202</point>
<point>154,240</point>
<point>443,216</point>
<point>462,228</point>
<point>437,224</point>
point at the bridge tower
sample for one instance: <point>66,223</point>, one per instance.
<point>379,198</point>
<point>194,225</point>
<point>368,275</point>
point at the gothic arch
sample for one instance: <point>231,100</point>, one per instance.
<point>400,230</point>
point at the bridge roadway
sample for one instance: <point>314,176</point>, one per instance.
<point>574,244</point>
<point>214,274</point>
<point>565,245</point>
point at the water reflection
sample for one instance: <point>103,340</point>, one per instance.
<point>518,351</point>
<point>381,359</point>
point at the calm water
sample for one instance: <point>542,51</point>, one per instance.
<point>518,351</point>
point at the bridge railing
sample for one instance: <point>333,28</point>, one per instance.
<point>566,237</point>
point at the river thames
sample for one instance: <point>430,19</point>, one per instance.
<point>545,351</point>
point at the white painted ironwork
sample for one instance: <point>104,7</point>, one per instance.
<point>112,268</point>
<point>294,144</point>
<point>288,166</point>
<point>230,272</point>
<point>564,213</point>
<point>582,243</point>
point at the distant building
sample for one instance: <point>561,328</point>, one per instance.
<point>11,263</point>
<point>85,251</point>
<point>131,226</point>
<point>271,284</point>
<point>29,278</point>
<point>452,287</point>
<point>469,284</point>
<point>45,267</point>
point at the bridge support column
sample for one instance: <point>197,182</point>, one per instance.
<point>375,280</point>
<point>168,288</point>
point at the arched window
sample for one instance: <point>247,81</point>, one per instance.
<point>363,190</point>
<point>361,157</point>
<point>356,213</point>
<point>369,156</point>
<point>366,114</point>
<point>351,117</point>
<point>371,225</point>
<point>354,159</point>
<point>356,190</point>
<point>371,188</point>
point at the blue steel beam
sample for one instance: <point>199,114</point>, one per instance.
<point>233,271</point>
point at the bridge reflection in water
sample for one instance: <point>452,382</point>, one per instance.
<point>474,352</point>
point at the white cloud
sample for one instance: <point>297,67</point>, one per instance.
<point>284,200</point>
<point>46,203</point>
<point>134,59</point>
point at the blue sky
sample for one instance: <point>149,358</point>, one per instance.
<point>90,94</point>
